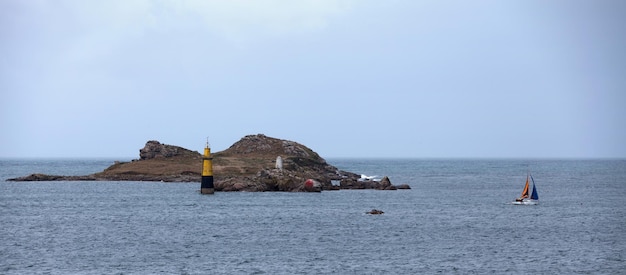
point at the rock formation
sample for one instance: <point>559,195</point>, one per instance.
<point>248,165</point>
<point>155,149</point>
<point>375,212</point>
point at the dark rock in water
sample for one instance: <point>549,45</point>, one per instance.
<point>403,186</point>
<point>351,183</point>
<point>44,177</point>
<point>357,183</point>
<point>385,184</point>
<point>248,165</point>
<point>375,212</point>
<point>38,177</point>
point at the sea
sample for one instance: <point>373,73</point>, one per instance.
<point>457,218</point>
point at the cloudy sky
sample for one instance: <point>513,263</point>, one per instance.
<point>403,78</point>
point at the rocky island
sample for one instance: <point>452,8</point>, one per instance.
<point>251,164</point>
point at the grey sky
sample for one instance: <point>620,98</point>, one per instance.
<point>345,78</point>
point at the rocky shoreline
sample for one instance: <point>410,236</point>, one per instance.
<point>248,165</point>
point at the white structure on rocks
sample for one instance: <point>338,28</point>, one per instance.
<point>279,163</point>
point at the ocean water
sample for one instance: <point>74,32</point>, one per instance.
<point>456,219</point>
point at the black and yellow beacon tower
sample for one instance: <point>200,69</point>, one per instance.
<point>206,186</point>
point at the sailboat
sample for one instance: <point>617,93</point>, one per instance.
<point>524,199</point>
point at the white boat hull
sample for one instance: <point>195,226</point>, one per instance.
<point>526,202</point>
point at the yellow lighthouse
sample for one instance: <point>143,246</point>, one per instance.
<point>206,186</point>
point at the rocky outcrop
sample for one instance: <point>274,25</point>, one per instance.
<point>155,149</point>
<point>262,145</point>
<point>248,165</point>
<point>44,177</point>
<point>383,184</point>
